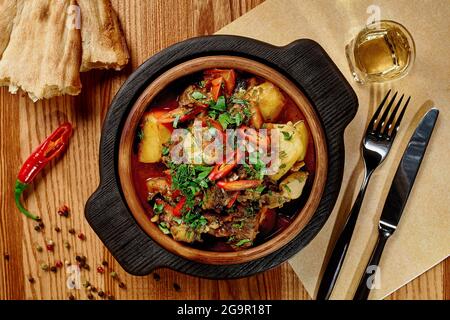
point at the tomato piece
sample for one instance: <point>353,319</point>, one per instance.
<point>238,185</point>
<point>228,75</point>
<point>216,87</point>
<point>177,211</point>
<point>167,207</point>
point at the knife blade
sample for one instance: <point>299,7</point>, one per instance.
<point>398,196</point>
<point>406,172</point>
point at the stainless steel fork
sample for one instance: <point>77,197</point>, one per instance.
<point>376,144</point>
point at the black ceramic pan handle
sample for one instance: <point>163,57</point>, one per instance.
<point>363,290</point>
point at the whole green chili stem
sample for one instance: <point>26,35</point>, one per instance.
<point>18,190</point>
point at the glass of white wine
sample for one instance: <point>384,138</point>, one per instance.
<point>383,51</point>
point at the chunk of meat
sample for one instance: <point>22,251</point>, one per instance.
<point>216,199</point>
<point>194,95</point>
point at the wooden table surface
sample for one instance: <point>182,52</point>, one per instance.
<point>149,27</point>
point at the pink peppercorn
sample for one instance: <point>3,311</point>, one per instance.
<point>59,264</point>
<point>100,270</point>
<point>81,236</point>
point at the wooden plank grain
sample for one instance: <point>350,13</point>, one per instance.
<point>149,26</point>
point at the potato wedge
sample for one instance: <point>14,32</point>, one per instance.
<point>293,143</point>
<point>269,99</point>
<point>154,136</point>
<point>292,186</point>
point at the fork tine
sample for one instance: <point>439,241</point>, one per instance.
<point>373,122</point>
<point>400,117</point>
<point>385,114</point>
<point>391,119</point>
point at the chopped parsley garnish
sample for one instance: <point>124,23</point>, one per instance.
<point>190,180</point>
<point>140,135</point>
<point>165,151</point>
<point>260,189</point>
<point>175,122</point>
<point>158,208</point>
<point>195,220</point>
<point>287,188</point>
<point>198,95</point>
<point>239,101</point>
<point>287,135</point>
<point>164,228</point>
<point>238,225</point>
<point>242,242</point>
<point>225,120</point>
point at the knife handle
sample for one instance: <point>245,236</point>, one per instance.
<point>336,260</point>
<point>364,287</point>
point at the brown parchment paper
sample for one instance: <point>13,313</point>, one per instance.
<point>423,237</point>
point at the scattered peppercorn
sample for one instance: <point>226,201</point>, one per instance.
<point>63,211</point>
<point>57,229</point>
<point>72,231</point>
<point>37,228</point>
<point>113,275</point>
<point>41,224</point>
<point>66,244</point>
<point>104,263</point>
<point>101,294</point>
<point>111,297</point>
<point>81,236</point>
<point>44,267</point>
<point>122,285</point>
<point>78,258</point>
<point>156,276</point>
<point>71,297</point>
<point>86,284</point>
<point>177,287</point>
<point>86,267</point>
<point>90,296</point>
<point>50,245</point>
<point>31,279</point>
<point>93,289</point>
<point>39,248</point>
<point>53,269</point>
<point>100,270</point>
<point>6,256</point>
<point>58,264</point>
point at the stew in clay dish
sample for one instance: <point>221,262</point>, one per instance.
<point>217,156</point>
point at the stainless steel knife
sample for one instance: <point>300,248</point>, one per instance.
<point>397,197</point>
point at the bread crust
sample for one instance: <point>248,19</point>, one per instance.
<point>103,42</point>
<point>43,56</point>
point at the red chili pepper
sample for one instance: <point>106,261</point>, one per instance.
<point>182,113</point>
<point>238,184</point>
<point>232,199</point>
<point>223,169</point>
<point>53,146</point>
<point>178,210</point>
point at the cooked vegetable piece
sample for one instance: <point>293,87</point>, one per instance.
<point>291,149</point>
<point>292,186</point>
<point>154,135</point>
<point>269,99</point>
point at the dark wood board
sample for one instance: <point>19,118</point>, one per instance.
<point>305,63</point>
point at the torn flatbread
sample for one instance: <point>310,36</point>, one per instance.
<point>8,9</point>
<point>103,43</point>
<point>43,56</point>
